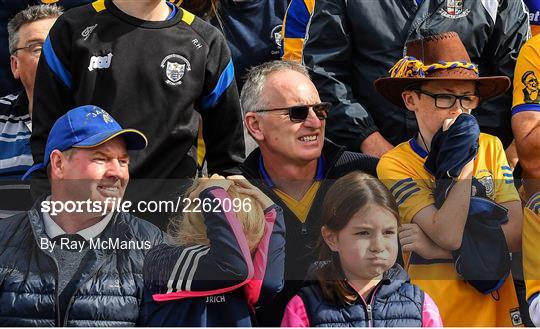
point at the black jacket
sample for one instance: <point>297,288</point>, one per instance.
<point>349,44</point>
<point>301,238</point>
<point>105,291</point>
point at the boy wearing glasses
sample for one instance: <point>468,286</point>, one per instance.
<point>27,32</point>
<point>441,86</point>
<point>294,164</point>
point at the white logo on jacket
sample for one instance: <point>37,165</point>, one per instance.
<point>87,31</point>
<point>175,67</point>
<point>454,9</point>
<point>100,62</point>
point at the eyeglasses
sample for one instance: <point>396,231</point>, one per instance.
<point>447,101</point>
<point>34,49</point>
<point>299,113</point>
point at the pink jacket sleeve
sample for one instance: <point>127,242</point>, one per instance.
<point>295,314</point>
<point>430,313</point>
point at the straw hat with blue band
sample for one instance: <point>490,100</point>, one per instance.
<point>86,127</point>
<point>438,57</point>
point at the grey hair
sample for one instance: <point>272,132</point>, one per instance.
<point>29,15</point>
<point>251,96</point>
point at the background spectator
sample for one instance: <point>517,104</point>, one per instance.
<point>27,33</point>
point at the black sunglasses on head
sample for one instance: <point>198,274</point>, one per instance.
<point>299,113</point>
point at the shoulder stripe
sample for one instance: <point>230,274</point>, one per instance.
<point>407,187</point>
<point>525,108</point>
<point>187,17</point>
<point>188,265</point>
<point>189,279</point>
<point>406,196</point>
<point>399,183</point>
<point>172,278</point>
<point>506,168</point>
<point>225,80</point>
<point>533,201</point>
<point>99,5</point>
<point>55,64</point>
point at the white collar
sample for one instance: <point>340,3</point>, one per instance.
<point>53,230</point>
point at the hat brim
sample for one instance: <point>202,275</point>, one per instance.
<point>135,140</point>
<point>488,87</point>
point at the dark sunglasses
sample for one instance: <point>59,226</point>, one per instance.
<point>299,113</point>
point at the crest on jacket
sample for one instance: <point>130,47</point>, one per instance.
<point>454,9</point>
<point>486,179</point>
<point>175,67</point>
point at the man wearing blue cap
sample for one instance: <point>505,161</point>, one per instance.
<point>74,259</point>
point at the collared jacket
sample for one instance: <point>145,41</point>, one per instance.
<point>349,44</point>
<point>105,291</point>
<point>301,238</point>
<point>394,302</point>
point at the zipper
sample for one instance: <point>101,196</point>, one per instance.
<point>369,315</point>
<point>90,276</point>
<point>369,307</point>
<point>32,215</point>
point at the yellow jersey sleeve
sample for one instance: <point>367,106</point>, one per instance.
<point>412,193</point>
<point>531,245</point>
<point>526,96</point>
<point>502,173</point>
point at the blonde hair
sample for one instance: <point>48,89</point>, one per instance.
<point>189,228</point>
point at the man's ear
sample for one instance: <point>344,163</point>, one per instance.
<point>57,162</point>
<point>14,63</point>
<point>410,100</point>
<point>253,124</point>
<point>330,238</point>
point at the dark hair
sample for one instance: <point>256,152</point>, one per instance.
<point>345,198</point>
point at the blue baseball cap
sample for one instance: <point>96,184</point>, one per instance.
<point>86,127</point>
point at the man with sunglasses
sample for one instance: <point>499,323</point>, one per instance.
<point>294,163</point>
<point>27,32</point>
<point>449,176</point>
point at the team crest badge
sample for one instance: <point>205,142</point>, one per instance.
<point>487,182</point>
<point>175,68</point>
<point>175,71</point>
<point>276,37</point>
<point>99,113</point>
<point>454,9</point>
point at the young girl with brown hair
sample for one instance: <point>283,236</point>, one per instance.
<point>359,283</point>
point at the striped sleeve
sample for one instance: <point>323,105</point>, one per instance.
<point>411,193</point>
<point>295,25</point>
<point>176,272</point>
<point>505,190</point>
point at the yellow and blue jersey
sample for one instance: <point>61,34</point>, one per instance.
<point>295,26</point>
<point>402,171</point>
<point>526,96</point>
